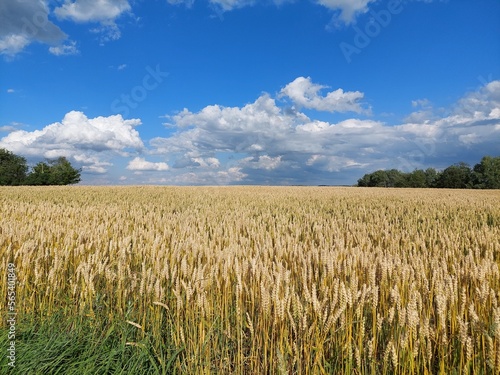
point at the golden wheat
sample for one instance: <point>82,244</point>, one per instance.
<point>258,280</point>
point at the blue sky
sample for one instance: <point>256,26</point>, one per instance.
<point>223,92</point>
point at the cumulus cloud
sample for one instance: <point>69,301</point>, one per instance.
<point>140,164</point>
<point>224,176</point>
<point>216,128</point>
<point>348,9</point>
<point>304,93</point>
<point>268,143</point>
<point>264,142</point>
<point>222,5</point>
<point>91,164</point>
<point>187,3</point>
<point>13,126</point>
<point>92,11</point>
<point>262,162</point>
<point>104,12</point>
<point>332,163</point>
<point>11,45</point>
<point>65,49</point>
<point>7,128</point>
<point>482,103</point>
<point>79,138</point>
<point>424,103</point>
<point>227,5</point>
<point>471,127</point>
<point>24,22</point>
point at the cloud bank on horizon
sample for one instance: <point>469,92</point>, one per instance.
<point>264,142</point>
<point>185,92</point>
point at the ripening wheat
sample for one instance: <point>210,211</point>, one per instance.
<point>269,280</point>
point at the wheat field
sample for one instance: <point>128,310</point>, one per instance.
<point>266,280</point>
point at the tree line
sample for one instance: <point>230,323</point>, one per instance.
<point>484,175</point>
<point>14,171</point>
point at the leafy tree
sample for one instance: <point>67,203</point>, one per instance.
<point>62,173</point>
<point>13,171</point>
<point>56,172</point>
<point>486,174</point>
<point>39,175</point>
<point>416,179</point>
<point>396,178</point>
<point>431,177</point>
<point>379,179</point>
<point>364,181</point>
<point>13,168</point>
<point>457,176</point>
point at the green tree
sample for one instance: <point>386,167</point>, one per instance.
<point>55,172</point>
<point>457,176</point>
<point>417,179</point>
<point>63,173</point>
<point>431,177</point>
<point>364,181</point>
<point>13,168</point>
<point>39,175</point>
<point>379,179</point>
<point>396,178</point>
<point>486,174</point>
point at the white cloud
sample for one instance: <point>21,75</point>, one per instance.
<point>24,22</point>
<point>105,12</point>
<point>216,128</point>
<point>227,5</point>
<point>481,103</point>
<point>470,130</point>
<point>304,93</point>
<point>11,91</point>
<point>13,126</point>
<point>107,32</point>
<point>94,169</point>
<point>348,9</point>
<point>220,5</point>
<point>262,162</point>
<point>227,176</point>
<point>65,49</point>
<point>268,143</point>
<point>77,137</point>
<point>264,142</point>
<point>140,164</point>
<point>424,103</point>
<point>11,45</point>
<point>92,11</point>
<point>332,163</point>
<point>187,3</point>
<point>495,113</point>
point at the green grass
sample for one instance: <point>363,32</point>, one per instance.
<point>82,345</point>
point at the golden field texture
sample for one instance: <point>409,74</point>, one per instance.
<point>269,280</point>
